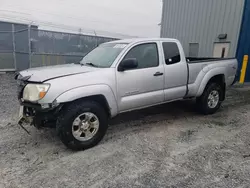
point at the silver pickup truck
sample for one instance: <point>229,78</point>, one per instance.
<point>116,77</point>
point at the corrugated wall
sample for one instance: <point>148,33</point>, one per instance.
<point>201,21</point>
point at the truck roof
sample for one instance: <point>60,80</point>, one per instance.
<point>133,40</point>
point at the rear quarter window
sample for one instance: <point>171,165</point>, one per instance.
<point>171,53</point>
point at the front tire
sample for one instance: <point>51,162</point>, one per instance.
<point>82,125</point>
<point>210,101</point>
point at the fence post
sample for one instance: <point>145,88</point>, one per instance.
<point>14,46</point>
<point>96,43</point>
<point>29,37</point>
<point>80,41</point>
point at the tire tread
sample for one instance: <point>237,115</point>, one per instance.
<point>202,100</point>
<point>63,125</point>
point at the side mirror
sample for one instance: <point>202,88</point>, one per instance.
<point>128,64</point>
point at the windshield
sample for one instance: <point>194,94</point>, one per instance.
<point>104,55</point>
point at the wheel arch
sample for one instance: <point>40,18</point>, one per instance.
<point>102,94</point>
<point>218,78</point>
<point>100,99</point>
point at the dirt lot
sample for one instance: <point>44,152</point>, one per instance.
<point>165,146</point>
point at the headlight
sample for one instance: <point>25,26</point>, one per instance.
<point>35,92</point>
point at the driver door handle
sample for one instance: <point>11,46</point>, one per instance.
<point>158,74</point>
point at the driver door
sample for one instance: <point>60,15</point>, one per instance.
<point>142,86</point>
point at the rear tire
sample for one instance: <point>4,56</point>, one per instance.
<point>210,101</point>
<point>79,112</point>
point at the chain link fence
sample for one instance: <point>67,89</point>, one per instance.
<point>52,48</point>
<point>26,47</point>
<point>6,51</point>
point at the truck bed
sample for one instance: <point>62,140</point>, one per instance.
<point>200,66</point>
<point>204,59</point>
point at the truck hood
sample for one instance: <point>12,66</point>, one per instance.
<point>43,74</point>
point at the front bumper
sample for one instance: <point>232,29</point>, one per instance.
<point>34,114</point>
<point>39,107</point>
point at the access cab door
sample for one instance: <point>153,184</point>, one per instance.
<point>142,86</point>
<point>175,70</point>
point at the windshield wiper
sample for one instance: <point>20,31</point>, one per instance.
<point>91,64</point>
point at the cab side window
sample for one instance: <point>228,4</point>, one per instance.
<point>146,55</point>
<point>171,53</point>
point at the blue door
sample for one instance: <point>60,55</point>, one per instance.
<point>244,40</point>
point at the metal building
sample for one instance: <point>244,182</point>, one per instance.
<point>209,28</point>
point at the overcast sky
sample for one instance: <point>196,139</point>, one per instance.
<point>129,17</point>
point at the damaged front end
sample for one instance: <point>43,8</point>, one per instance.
<point>33,113</point>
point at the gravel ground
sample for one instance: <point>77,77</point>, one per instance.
<point>166,146</point>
